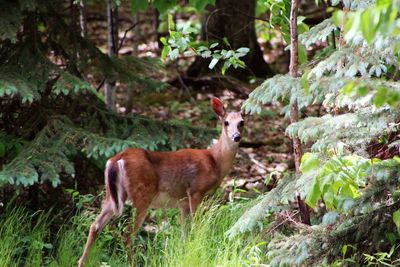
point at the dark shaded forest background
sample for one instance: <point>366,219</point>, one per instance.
<point>317,174</point>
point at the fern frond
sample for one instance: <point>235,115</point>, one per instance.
<point>318,33</point>
<point>353,61</point>
<point>274,200</point>
<point>283,88</point>
<point>351,130</point>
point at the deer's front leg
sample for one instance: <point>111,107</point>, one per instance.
<point>188,206</point>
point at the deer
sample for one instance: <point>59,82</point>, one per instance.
<point>175,179</point>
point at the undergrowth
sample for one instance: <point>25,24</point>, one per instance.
<point>26,239</point>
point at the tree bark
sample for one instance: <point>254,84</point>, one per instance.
<point>294,113</point>
<point>135,52</point>
<point>293,71</point>
<point>234,20</point>
<point>112,20</point>
<point>82,18</point>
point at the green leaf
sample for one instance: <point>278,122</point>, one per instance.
<point>226,66</point>
<point>396,219</point>
<point>392,237</point>
<point>367,28</point>
<point>174,54</point>
<point>348,88</point>
<point>138,5</point>
<point>164,41</point>
<point>226,41</point>
<point>213,45</point>
<point>309,162</point>
<point>243,50</point>
<point>171,25</point>
<point>206,54</point>
<point>329,199</point>
<point>163,5</point>
<point>338,17</point>
<point>47,245</point>
<point>362,90</point>
<point>344,250</point>
<point>304,81</point>
<point>165,52</point>
<point>302,54</point>
<point>213,62</point>
<point>380,96</point>
<point>314,194</point>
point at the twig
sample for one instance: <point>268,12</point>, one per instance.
<point>276,226</point>
<point>240,30</point>
<point>187,90</point>
<point>128,30</point>
<point>208,19</point>
<point>256,162</point>
<point>249,16</point>
<point>100,84</point>
<point>289,218</point>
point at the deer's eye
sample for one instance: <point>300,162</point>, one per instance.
<point>226,123</point>
<point>241,123</point>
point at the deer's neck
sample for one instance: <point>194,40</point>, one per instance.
<point>224,152</point>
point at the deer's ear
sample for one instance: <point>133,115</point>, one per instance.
<point>217,106</point>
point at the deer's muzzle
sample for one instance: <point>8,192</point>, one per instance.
<point>236,137</point>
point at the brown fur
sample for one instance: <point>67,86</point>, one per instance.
<point>166,179</point>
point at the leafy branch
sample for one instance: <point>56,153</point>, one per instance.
<point>181,41</point>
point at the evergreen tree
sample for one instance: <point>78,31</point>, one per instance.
<point>50,113</point>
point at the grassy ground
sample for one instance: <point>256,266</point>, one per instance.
<point>26,240</point>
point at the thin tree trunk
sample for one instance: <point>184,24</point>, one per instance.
<point>112,20</point>
<point>82,18</point>
<point>135,52</point>
<point>293,71</point>
<point>294,113</point>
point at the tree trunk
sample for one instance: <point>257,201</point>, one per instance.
<point>135,52</point>
<point>293,71</point>
<point>82,18</point>
<point>294,114</point>
<point>235,21</point>
<point>112,20</point>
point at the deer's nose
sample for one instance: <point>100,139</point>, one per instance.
<point>236,137</point>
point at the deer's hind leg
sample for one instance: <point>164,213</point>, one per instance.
<point>141,196</point>
<point>104,217</point>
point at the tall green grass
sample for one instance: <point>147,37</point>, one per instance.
<point>205,244</point>
<point>26,240</point>
<point>11,233</point>
<point>22,239</point>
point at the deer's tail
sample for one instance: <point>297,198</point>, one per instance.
<point>113,185</point>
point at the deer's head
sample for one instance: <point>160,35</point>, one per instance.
<point>232,122</point>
